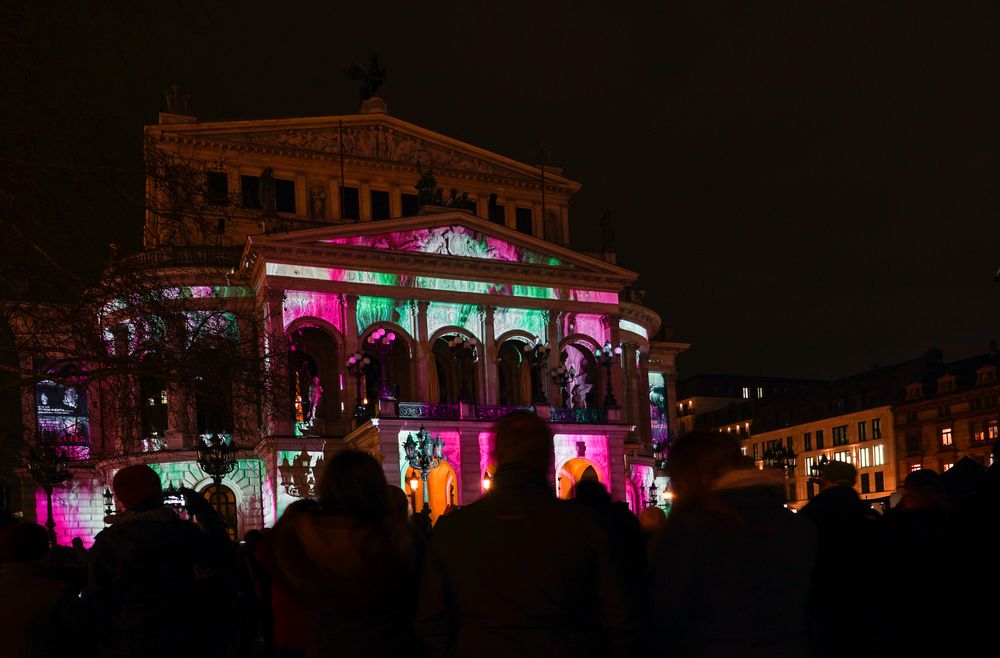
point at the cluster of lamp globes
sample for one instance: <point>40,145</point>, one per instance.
<point>380,335</point>
<point>358,360</point>
<point>542,348</point>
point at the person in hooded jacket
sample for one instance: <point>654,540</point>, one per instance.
<point>730,573</point>
<point>350,564</point>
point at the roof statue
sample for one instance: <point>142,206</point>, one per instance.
<point>371,77</point>
<point>607,232</point>
<point>174,100</point>
<point>427,189</point>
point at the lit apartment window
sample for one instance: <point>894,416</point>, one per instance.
<point>760,392</point>
<point>862,431</point>
<point>743,449</point>
<point>876,428</point>
<point>879,455</point>
<point>810,461</point>
<point>946,439</point>
<point>840,437</point>
<point>864,458</point>
<point>945,467</point>
<point>842,456</point>
<point>807,440</point>
<point>914,467</point>
<point>992,431</point>
<point>979,436</point>
<point>746,393</point>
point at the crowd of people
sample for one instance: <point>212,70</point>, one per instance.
<point>730,572</point>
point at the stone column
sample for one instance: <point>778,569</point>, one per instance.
<point>423,351</point>
<point>617,372</point>
<point>490,378</point>
<point>644,424</point>
<point>395,201</point>
<point>333,201</point>
<point>552,335</point>
<point>279,394</point>
<point>365,201</point>
<point>349,306</point>
<point>616,446</point>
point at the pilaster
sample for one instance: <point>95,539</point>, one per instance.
<point>490,377</point>
<point>472,478</point>
<point>280,395</point>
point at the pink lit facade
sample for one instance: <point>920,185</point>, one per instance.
<point>466,294</point>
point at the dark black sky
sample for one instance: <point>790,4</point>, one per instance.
<point>805,191</point>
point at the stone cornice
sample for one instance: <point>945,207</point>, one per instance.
<point>646,317</point>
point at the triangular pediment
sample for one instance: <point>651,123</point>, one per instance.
<point>368,137</point>
<point>452,235</point>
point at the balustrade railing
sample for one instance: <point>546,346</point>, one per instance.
<point>492,412</point>
<point>591,416</point>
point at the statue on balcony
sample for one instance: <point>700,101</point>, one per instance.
<point>315,394</point>
<point>580,395</point>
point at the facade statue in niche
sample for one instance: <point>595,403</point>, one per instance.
<point>372,77</point>
<point>427,189</point>
<point>580,395</point>
<point>552,228</point>
<point>267,193</point>
<point>315,395</point>
<point>607,232</point>
<point>317,202</point>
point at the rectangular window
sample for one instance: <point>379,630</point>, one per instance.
<point>842,456</point>
<point>743,449</point>
<point>840,435</point>
<point>992,431</point>
<point>865,483</point>
<point>819,439</point>
<point>760,392</point>
<point>249,191</point>
<point>879,455</point>
<point>879,481</point>
<point>945,467</point>
<point>788,443</point>
<point>864,458</point>
<point>410,204</point>
<point>807,441</point>
<point>914,467</point>
<point>979,436</point>
<point>876,428</point>
<point>810,461</point>
<point>944,410</point>
<point>913,443</point>
<point>217,188</point>
<point>498,214</point>
<point>756,451</point>
<point>284,195</point>
<point>862,431</point>
<point>746,393</point>
<point>946,439</point>
<point>350,205</point>
<point>911,416</point>
<point>523,221</point>
<point>380,204</point>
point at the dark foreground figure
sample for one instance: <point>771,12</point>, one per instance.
<point>520,573</point>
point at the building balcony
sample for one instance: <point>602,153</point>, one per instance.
<point>484,412</point>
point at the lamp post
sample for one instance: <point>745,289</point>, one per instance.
<point>217,456</point>
<point>562,378</point>
<point>357,365</point>
<point>539,355</point>
<point>487,482</point>
<point>461,349</point>
<point>47,467</point>
<point>424,455</point>
<point>382,340</point>
<point>651,499</point>
<point>414,483</point>
<point>605,357</point>
<point>783,458</point>
<point>109,502</point>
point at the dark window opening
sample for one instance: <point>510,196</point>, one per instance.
<point>498,214</point>
<point>879,481</point>
<point>819,439</point>
<point>913,444</point>
<point>217,188</point>
<point>350,206</point>
<point>865,483</point>
<point>807,441</point>
<point>411,205</point>
<point>284,195</point>
<point>522,217</point>
<point>223,501</point>
<point>249,186</point>
<point>380,204</point>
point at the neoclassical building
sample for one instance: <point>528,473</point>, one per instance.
<point>390,278</point>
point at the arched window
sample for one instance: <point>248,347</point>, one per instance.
<point>223,501</point>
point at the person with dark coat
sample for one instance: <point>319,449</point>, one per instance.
<point>519,572</point>
<point>848,534</point>
<point>40,614</point>
<point>148,568</point>
<point>350,564</point>
<point>730,573</point>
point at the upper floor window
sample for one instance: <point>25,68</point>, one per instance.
<point>879,481</point>
<point>250,191</point>
<point>911,416</point>
<point>946,438</point>
<point>350,203</point>
<point>760,392</point>
<point>914,391</point>
<point>807,441</point>
<point>862,431</point>
<point>842,456</point>
<point>879,452</point>
<point>819,439</point>
<point>497,212</point>
<point>876,428</point>
<point>913,443</point>
<point>380,204</point>
<point>410,204</point>
<point>840,437</point>
<point>523,220</point>
<point>944,410</point>
<point>946,383</point>
<point>992,430</point>
<point>746,393</point>
<point>986,374</point>
<point>864,458</point>
<point>217,188</point>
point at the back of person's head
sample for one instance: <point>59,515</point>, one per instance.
<point>522,438</point>
<point>353,483</point>
<point>652,520</point>
<point>77,542</point>
<point>24,542</point>
<point>252,538</point>
<point>591,493</point>
<point>840,474</point>
<point>922,490</point>
<point>399,504</point>
<point>697,459</point>
<point>136,486</point>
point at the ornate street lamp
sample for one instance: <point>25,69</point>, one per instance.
<point>382,340</point>
<point>414,485</point>
<point>463,348</point>
<point>780,457</point>
<point>487,482</point>
<point>816,470</point>
<point>298,477</point>
<point>606,357</point>
<point>47,467</point>
<point>424,455</point>
<point>109,502</point>
<point>562,378</point>
<point>539,355</point>
<point>216,456</point>
<point>652,500</point>
<point>357,365</point>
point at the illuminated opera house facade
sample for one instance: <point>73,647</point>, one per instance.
<point>397,279</point>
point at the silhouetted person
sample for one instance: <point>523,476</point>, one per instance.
<point>350,564</point>
<point>622,528</point>
<point>917,534</point>
<point>288,627</point>
<point>520,573</point>
<point>150,565</point>
<point>847,540</point>
<point>730,576</point>
<point>40,615</point>
<point>252,611</point>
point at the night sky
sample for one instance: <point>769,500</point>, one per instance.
<point>803,193</point>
